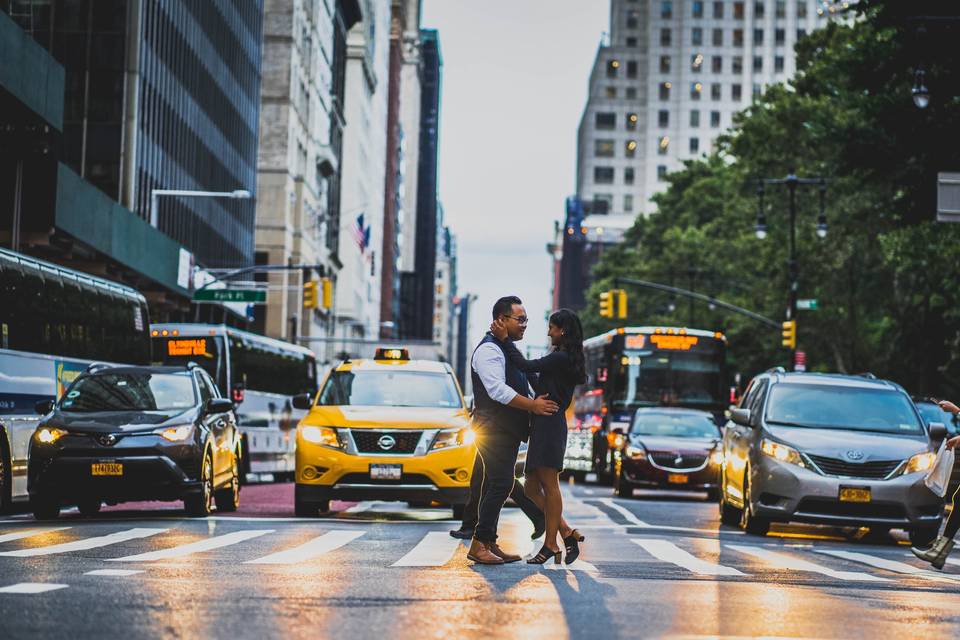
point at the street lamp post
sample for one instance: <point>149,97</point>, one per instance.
<point>792,182</point>
<point>238,194</point>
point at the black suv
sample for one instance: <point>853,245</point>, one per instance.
<point>136,433</point>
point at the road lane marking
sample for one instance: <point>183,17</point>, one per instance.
<point>434,550</point>
<point>32,587</point>
<point>113,572</point>
<point>669,552</point>
<point>576,565</point>
<point>889,565</point>
<point>26,533</point>
<point>784,561</point>
<point>360,507</point>
<point>626,513</point>
<point>85,544</point>
<point>311,549</point>
<point>199,546</point>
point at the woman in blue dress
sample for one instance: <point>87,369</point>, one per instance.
<point>559,372</point>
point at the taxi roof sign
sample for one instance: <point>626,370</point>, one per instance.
<point>391,353</point>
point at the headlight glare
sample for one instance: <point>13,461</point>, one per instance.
<point>635,453</point>
<point>177,434</point>
<point>454,438</point>
<point>49,435</point>
<point>920,462</point>
<point>716,457</point>
<point>324,436</point>
<point>781,452</point>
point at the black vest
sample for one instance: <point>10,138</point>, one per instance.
<point>491,415</point>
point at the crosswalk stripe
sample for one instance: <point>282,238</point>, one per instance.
<point>434,550</point>
<point>311,549</point>
<point>27,533</point>
<point>889,565</point>
<point>199,546</point>
<point>113,572</point>
<point>669,552</point>
<point>32,587</point>
<point>576,565</point>
<point>785,561</point>
<point>626,513</point>
<point>85,544</point>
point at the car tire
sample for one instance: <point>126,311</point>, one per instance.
<point>5,474</point>
<point>44,508</point>
<point>89,508</point>
<point>713,494</point>
<point>749,522</point>
<point>200,504</point>
<point>729,514</point>
<point>923,537</point>
<point>228,498</point>
<point>622,487</point>
<point>304,509</point>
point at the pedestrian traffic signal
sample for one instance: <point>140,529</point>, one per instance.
<point>789,334</point>
<point>310,294</point>
<point>606,304</point>
<point>621,303</point>
<point>327,292</point>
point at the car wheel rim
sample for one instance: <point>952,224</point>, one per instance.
<point>235,485</point>
<point>207,485</point>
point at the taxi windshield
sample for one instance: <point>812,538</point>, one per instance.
<point>130,392</point>
<point>390,389</point>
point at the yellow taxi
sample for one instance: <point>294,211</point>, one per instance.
<point>390,428</point>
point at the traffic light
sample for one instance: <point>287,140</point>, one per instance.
<point>327,292</point>
<point>310,294</point>
<point>606,304</point>
<point>789,334</point>
<point>621,303</point>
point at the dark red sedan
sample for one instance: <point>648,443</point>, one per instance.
<point>668,448</point>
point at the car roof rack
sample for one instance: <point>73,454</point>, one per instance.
<point>776,370</point>
<point>97,366</point>
<point>866,374</point>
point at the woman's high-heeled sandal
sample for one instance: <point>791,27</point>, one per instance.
<point>545,554</point>
<point>571,542</point>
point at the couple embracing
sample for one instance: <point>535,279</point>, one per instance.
<point>507,413</point>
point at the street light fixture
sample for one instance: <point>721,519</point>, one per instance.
<point>921,94</point>
<point>237,194</point>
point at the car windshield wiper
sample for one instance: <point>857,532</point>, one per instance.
<point>795,424</point>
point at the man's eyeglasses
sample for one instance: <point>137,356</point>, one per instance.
<point>520,319</point>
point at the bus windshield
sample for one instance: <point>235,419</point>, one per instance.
<point>206,351</point>
<point>668,378</point>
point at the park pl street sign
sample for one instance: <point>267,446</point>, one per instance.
<point>807,305</point>
<point>254,296</point>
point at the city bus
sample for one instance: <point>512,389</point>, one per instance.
<point>54,322</point>
<point>260,374</point>
<point>633,367</point>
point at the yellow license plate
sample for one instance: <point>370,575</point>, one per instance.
<point>678,478</point>
<point>851,494</point>
<point>106,469</point>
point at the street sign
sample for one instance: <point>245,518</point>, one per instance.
<point>255,296</point>
<point>807,304</point>
<point>948,197</point>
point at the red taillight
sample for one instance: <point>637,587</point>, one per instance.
<point>733,395</point>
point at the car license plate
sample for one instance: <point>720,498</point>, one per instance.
<point>854,494</point>
<point>386,471</point>
<point>106,469</point>
<point>678,478</point>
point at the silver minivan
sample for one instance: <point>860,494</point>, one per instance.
<point>829,449</point>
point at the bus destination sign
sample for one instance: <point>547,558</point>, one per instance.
<point>674,342</point>
<point>187,347</point>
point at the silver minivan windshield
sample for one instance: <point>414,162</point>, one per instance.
<point>845,408</point>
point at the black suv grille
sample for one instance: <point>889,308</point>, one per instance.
<point>369,441</point>
<point>689,461</point>
<point>876,470</point>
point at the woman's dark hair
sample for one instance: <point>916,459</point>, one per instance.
<point>572,340</point>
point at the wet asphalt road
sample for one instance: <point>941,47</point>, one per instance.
<point>655,566</point>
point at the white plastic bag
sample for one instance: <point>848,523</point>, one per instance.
<point>938,477</point>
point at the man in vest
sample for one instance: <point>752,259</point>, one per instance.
<point>503,405</point>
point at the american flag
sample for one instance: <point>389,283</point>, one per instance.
<point>361,233</point>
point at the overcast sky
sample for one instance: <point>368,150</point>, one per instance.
<point>515,76</point>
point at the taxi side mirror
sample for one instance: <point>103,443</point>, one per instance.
<point>217,405</point>
<point>741,417</point>
<point>937,430</point>
<point>302,401</point>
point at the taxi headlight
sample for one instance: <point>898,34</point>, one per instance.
<point>716,457</point>
<point>920,462</point>
<point>48,435</point>
<point>448,438</point>
<point>781,452</point>
<point>635,453</point>
<point>324,436</point>
<point>177,434</point>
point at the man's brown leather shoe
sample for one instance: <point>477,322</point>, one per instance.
<point>481,554</point>
<point>503,555</point>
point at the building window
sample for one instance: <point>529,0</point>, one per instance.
<point>602,203</point>
<point>696,61</point>
<point>603,175</point>
<point>665,90</point>
<point>718,37</point>
<point>757,89</point>
<point>696,89</point>
<point>696,36</point>
<point>714,118</point>
<point>630,148</point>
<point>697,8</point>
<point>778,63</point>
<point>664,64</point>
<point>665,36</point>
<point>715,91</point>
<point>631,121</point>
<point>632,42</point>
<point>758,9</point>
<point>661,172</point>
<point>694,145</point>
<point>663,118</point>
<point>716,64</point>
<point>718,10</point>
<point>736,92</point>
<point>631,68</point>
<point>738,11</point>
<point>612,67</point>
<point>737,64</point>
<point>633,19</point>
<point>757,37</point>
<point>802,9</point>
<point>631,93</point>
<point>694,118</point>
<point>628,175</point>
<point>781,11</point>
<point>663,145</point>
<point>758,63</point>
<point>628,202</point>
<point>801,33</point>
<point>666,9</point>
<point>611,92</point>
<point>605,120</point>
<point>603,148</point>
<point>738,37</point>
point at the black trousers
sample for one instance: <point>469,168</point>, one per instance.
<point>497,453</point>
<point>470,511</point>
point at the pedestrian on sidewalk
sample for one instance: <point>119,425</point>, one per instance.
<point>560,371</point>
<point>937,553</point>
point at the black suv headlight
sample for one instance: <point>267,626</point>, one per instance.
<point>48,435</point>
